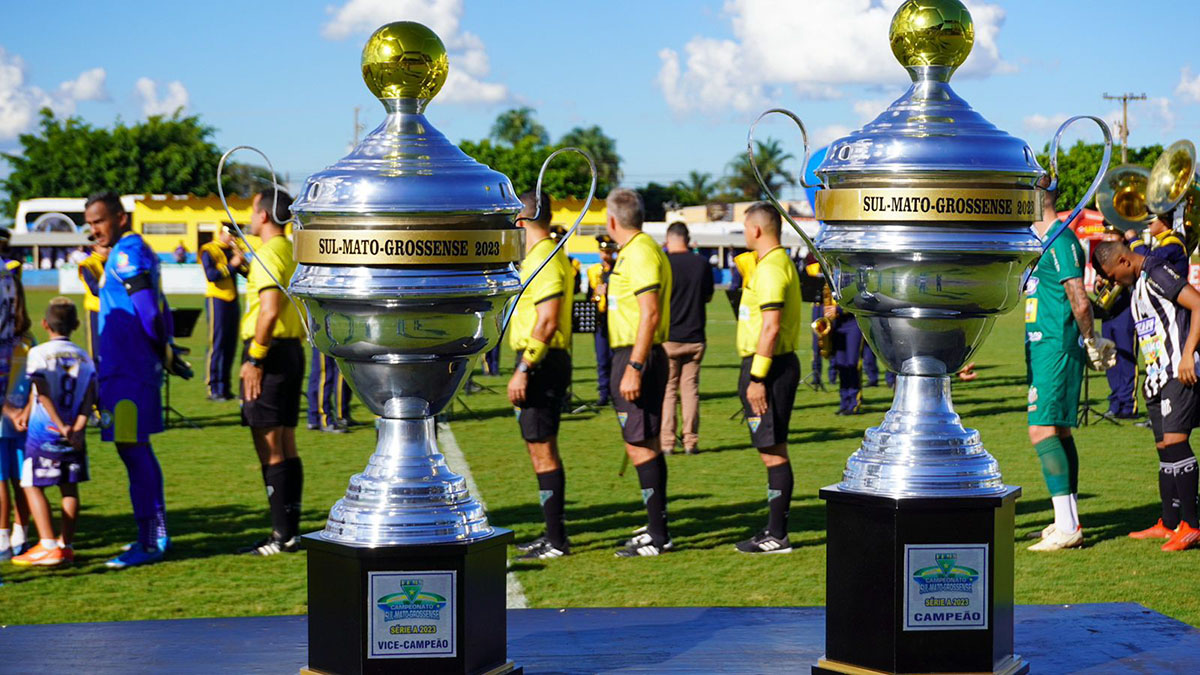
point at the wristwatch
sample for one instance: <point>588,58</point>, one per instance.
<point>637,366</point>
<point>257,363</point>
<point>524,367</point>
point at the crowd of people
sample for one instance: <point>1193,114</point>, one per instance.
<point>650,342</point>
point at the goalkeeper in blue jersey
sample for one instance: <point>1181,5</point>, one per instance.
<point>135,346</point>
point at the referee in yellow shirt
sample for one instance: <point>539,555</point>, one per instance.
<point>638,320</point>
<point>768,331</point>
<point>540,336</point>
<point>273,371</point>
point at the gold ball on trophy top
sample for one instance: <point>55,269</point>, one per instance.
<point>404,59</point>
<point>932,33</point>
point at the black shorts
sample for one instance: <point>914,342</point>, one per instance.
<point>1174,409</point>
<point>640,420</point>
<point>278,405</point>
<point>545,395</point>
<point>781,382</point>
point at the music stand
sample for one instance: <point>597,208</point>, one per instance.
<point>184,322</point>
<point>1086,411</point>
<point>585,318</point>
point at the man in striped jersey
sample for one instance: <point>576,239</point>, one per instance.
<point>1166,313</point>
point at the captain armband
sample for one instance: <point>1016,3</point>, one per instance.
<point>535,351</point>
<point>141,282</point>
<point>759,367</point>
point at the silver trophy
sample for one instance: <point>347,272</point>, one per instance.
<point>407,252</point>
<point>925,237</point>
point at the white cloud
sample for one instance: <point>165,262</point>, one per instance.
<point>814,48</point>
<point>176,97</point>
<point>826,135</point>
<point>1189,85</point>
<point>20,102</point>
<point>469,63</point>
<point>1044,124</point>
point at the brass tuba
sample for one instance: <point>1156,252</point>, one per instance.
<point>823,326</point>
<point>1172,188</point>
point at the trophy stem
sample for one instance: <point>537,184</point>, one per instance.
<point>922,449</point>
<point>406,494</point>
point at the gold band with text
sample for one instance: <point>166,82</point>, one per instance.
<point>409,247</point>
<point>907,204</point>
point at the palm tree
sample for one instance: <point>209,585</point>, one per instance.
<point>603,150</point>
<point>697,189</point>
<point>770,156</point>
<point>513,126</point>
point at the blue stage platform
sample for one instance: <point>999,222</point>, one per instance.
<point>1101,638</point>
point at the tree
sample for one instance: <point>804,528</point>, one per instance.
<point>514,126</point>
<point>699,188</point>
<point>1077,168</point>
<point>603,150</point>
<point>565,177</point>
<point>656,199</point>
<point>70,158</point>
<point>770,156</point>
<point>519,144</point>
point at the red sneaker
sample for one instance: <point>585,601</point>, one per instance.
<point>1184,538</point>
<point>1157,531</point>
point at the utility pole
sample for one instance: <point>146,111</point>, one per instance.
<point>1123,125</point>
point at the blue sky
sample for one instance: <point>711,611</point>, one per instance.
<point>676,83</point>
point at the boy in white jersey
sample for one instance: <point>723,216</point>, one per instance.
<point>64,385</point>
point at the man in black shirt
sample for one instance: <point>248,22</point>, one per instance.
<point>692,290</point>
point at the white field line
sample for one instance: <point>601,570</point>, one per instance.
<point>458,464</point>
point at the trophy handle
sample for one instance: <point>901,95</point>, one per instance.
<point>587,204</point>
<point>1091,191</point>
<point>242,236</point>
<point>821,259</point>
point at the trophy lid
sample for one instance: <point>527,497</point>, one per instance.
<point>406,166</point>
<point>930,129</point>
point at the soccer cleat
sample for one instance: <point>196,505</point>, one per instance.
<point>5,554</point>
<point>1183,538</point>
<point>763,542</point>
<point>136,555</point>
<point>1156,531</point>
<point>164,544</point>
<point>1057,541</point>
<point>545,551</point>
<point>533,544</point>
<point>40,556</point>
<point>272,545</point>
<point>643,545</point>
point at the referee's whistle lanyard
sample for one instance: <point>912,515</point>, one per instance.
<point>587,204</point>
<point>1087,196</point>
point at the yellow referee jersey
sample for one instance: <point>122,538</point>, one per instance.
<point>557,280</point>
<point>774,284</point>
<point>276,256</point>
<point>224,288</point>
<point>641,267</point>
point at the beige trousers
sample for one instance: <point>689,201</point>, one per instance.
<point>683,384</point>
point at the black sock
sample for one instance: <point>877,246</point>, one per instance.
<point>1183,463</point>
<point>652,476</point>
<point>779,499</point>
<point>1166,488</point>
<point>551,489</point>
<point>1068,444</point>
<point>275,477</point>
<point>293,495</point>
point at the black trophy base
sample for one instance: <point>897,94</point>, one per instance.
<point>919,585</point>
<point>447,617</point>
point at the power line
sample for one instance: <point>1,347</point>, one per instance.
<point>1123,125</point>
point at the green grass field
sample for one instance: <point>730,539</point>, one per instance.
<point>216,503</point>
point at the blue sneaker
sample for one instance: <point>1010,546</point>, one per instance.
<point>135,556</point>
<point>5,554</point>
<point>164,544</point>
